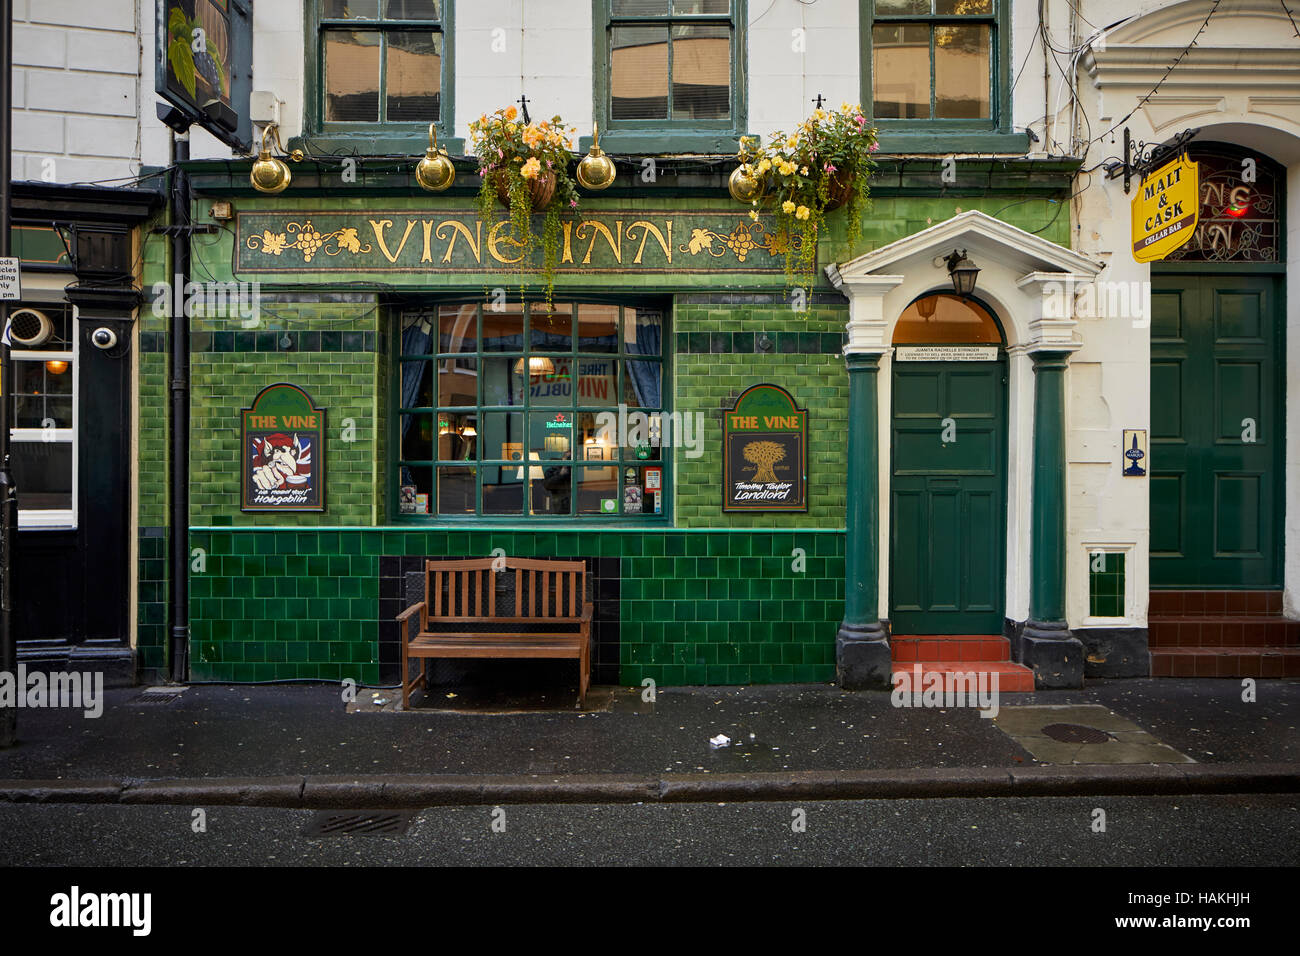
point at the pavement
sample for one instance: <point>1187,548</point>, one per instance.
<point>295,746</point>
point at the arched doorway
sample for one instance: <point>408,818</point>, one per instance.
<point>1217,421</point>
<point>948,437</point>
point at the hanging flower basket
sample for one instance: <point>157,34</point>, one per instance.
<point>540,190</point>
<point>825,164</point>
<point>525,167</point>
<point>839,187</point>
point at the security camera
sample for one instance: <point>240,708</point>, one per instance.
<point>103,338</point>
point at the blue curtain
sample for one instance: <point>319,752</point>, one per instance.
<point>645,375</point>
<point>415,341</point>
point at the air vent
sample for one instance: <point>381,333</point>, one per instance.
<point>30,328</point>
<point>159,695</point>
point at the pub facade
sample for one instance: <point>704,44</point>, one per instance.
<point>771,478</point>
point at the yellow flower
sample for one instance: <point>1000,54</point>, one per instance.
<point>844,107</point>
<point>511,112</point>
<point>819,114</point>
<point>803,170</point>
<point>753,214</point>
<point>787,207</point>
<point>531,169</point>
<point>764,165</point>
<point>801,212</point>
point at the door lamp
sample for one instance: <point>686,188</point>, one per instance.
<point>962,272</point>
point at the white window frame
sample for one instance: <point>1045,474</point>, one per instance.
<point>53,519</point>
<point>1125,549</point>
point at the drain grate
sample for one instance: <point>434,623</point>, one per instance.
<point>340,823</point>
<point>158,697</point>
<point>1076,734</point>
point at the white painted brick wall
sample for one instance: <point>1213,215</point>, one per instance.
<point>94,58</point>
<point>76,96</point>
<point>39,132</point>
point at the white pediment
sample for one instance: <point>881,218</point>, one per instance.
<point>981,235</point>
<point>1236,23</point>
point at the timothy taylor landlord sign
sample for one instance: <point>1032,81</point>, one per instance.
<point>1165,210</point>
<point>765,452</point>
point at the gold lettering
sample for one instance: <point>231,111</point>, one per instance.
<point>646,229</point>
<point>379,225</point>
<point>459,228</point>
<point>615,239</point>
<point>426,224</point>
<point>567,255</point>
<point>493,240</point>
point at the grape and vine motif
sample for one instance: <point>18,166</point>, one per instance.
<point>308,240</point>
<point>743,239</point>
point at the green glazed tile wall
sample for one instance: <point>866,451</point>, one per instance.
<point>710,383</point>
<point>343,383</point>
<point>695,607</point>
<point>729,617</point>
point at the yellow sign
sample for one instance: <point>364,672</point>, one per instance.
<point>1165,210</point>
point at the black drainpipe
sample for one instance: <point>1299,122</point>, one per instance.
<point>179,451</point>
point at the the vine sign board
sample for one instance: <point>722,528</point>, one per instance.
<point>765,452</point>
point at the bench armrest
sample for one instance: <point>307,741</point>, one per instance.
<point>586,612</point>
<point>405,615</point>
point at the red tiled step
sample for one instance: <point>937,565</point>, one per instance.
<point>1238,630</point>
<point>1225,662</point>
<point>950,647</point>
<point>1188,603</point>
<point>1012,678</point>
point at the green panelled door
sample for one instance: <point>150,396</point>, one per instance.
<point>1216,431</point>
<point>947,511</point>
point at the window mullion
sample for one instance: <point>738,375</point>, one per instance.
<point>383,75</point>
<point>668,90</point>
<point>934,96</point>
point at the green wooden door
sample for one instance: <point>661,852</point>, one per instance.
<point>1216,431</point>
<point>948,512</point>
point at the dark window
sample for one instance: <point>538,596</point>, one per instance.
<point>515,411</point>
<point>672,66</point>
<point>381,61</point>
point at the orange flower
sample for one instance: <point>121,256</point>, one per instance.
<point>531,169</point>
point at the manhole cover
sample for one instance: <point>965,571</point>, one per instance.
<point>339,823</point>
<point>1076,734</point>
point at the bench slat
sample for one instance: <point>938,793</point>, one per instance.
<point>498,636</point>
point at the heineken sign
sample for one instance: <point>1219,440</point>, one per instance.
<point>283,441</point>
<point>765,452</point>
<point>633,241</point>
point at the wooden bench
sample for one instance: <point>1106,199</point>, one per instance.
<point>546,593</point>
